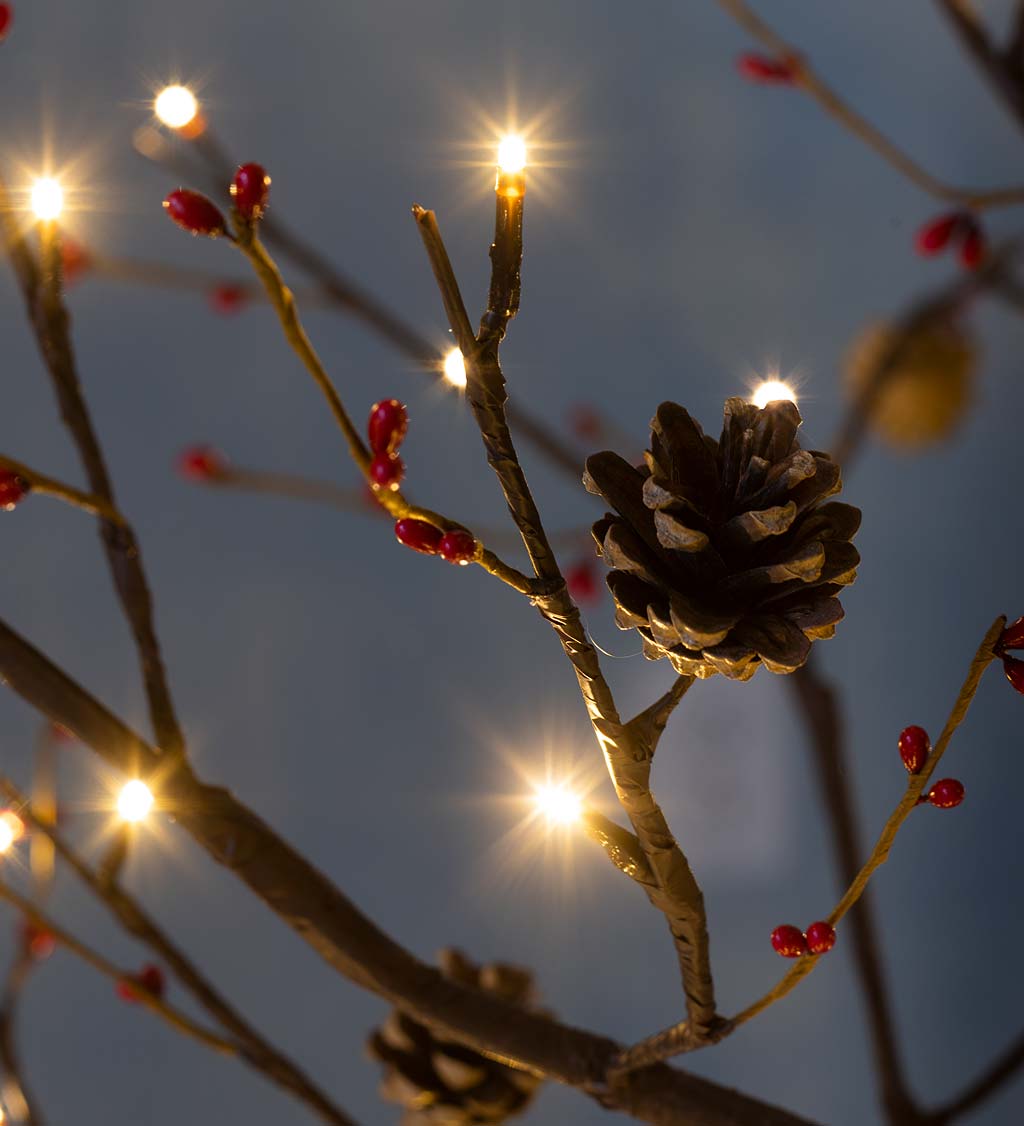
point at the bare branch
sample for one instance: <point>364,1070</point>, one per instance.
<point>1001,1071</point>
<point>50,486</point>
<point>21,1102</point>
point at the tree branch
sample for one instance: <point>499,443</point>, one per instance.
<point>50,486</point>
<point>1001,1071</point>
<point>22,1104</point>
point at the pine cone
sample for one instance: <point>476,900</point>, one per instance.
<point>442,1083</point>
<point>928,386</point>
<point>723,556</point>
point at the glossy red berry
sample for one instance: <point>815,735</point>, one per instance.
<point>821,937</point>
<point>194,213</point>
<point>457,546</point>
<point>75,260</point>
<point>788,941</point>
<point>1012,637</point>
<point>946,793</point>
<point>201,463</point>
<point>150,978</point>
<point>6,19</point>
<point>766,70</point>
<point>37,942</point>
<point>387,425</point>
<point>250,189</point>
<point>387,471</point>
<point>227,299</point>
<point>915,746</point>
<point>12,489</point>
<point>581,581</point>
<point>419,535</point>
<point>974,247</point>
<point>1014,669</point>
<point>934,236</point>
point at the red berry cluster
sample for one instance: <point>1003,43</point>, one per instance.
<point>582,582</point>
<point>150,979</point>
<point>195,213</point>
<point>456,546</point>
<point>12,489</point>
<point>915,747</point>
<point>766,70</point>
<point>790,942</point>
<point>956,227</point>
<point>36,941</point>
<point>386,431</point>
<point>1012,639</point>
<point>201,463</point>
<point>6,18</point>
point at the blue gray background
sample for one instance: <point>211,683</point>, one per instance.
<point>688,232</point>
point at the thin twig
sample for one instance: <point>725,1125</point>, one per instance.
<point>258,1052</point>
<point>21,1102</point>
<point>859,126</point>
<point>50,486</point>
<point>677,894</point>
<point>303,898</point>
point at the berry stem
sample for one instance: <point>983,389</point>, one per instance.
<point>50,486</point>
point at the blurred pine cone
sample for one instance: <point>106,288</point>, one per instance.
<point>440,1082</point>
<point>723,556</point>
<point>927,387</point>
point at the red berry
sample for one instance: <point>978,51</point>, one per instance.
<point>6,17</point>
<point>37,941</point>
<point>227,298</point>
<point>150,978</point>
<point>946,793</point>
<point>60,734</point>
<point>457,546</point>
<point>419,535</point>
<point>75,260</point>
<point>934,236</point>
<point>821,937</point>
<point>974,247</point>
<point>584,421</point>
<point>1014,669</point>
<point>387,471</point>
<point>915,746</point>
<point>201,463</point>
<point>195,213</point>
<point>582,583</point>
<point>761,68</point>
<point>12,489</point>
<point>788,941</point>
<point>387,425</point>
<point>249,190</point>
<point>1012,637</point>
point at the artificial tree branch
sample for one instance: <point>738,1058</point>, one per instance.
<point>171,1015</point>
<point>859,126</point>
<point>1004,1068</point>
<point>41,290</point>
<point>347,940</point>
<point>50,486</point>
<point>22,1104</point>
<point>673,1041</point>
<point>257,1051</point>
<point>677,894</point>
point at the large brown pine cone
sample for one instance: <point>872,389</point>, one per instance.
<point>723,556</point>
<point>442,1083</point>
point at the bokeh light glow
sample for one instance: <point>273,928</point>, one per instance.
<point>176,106</point>
<point>47,198</point>
<point>512,153</point>
<point>558,804</point>
<point>455,368</point>
<point>770,391</point>
<point>134,801</point>
<point>12,829</point>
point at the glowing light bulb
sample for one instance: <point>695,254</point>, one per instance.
<point>134,801</point>
<point>12,829</point>
<point>176,106</point>
<point>512,153</point>
<point>455,368</point>
<point>559,805</point>
<point>772,390</point>
<point>47,198</point>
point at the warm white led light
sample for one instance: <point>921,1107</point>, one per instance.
<point>47,198</point>
<point>512,153</point>
<point>455,368</point>
<point>771,391</point>
<point>175,106</point>
<point>559,805</point>
<point>134,801</point>
<point>6,837</point>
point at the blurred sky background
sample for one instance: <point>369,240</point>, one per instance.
<point>689,232</point>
